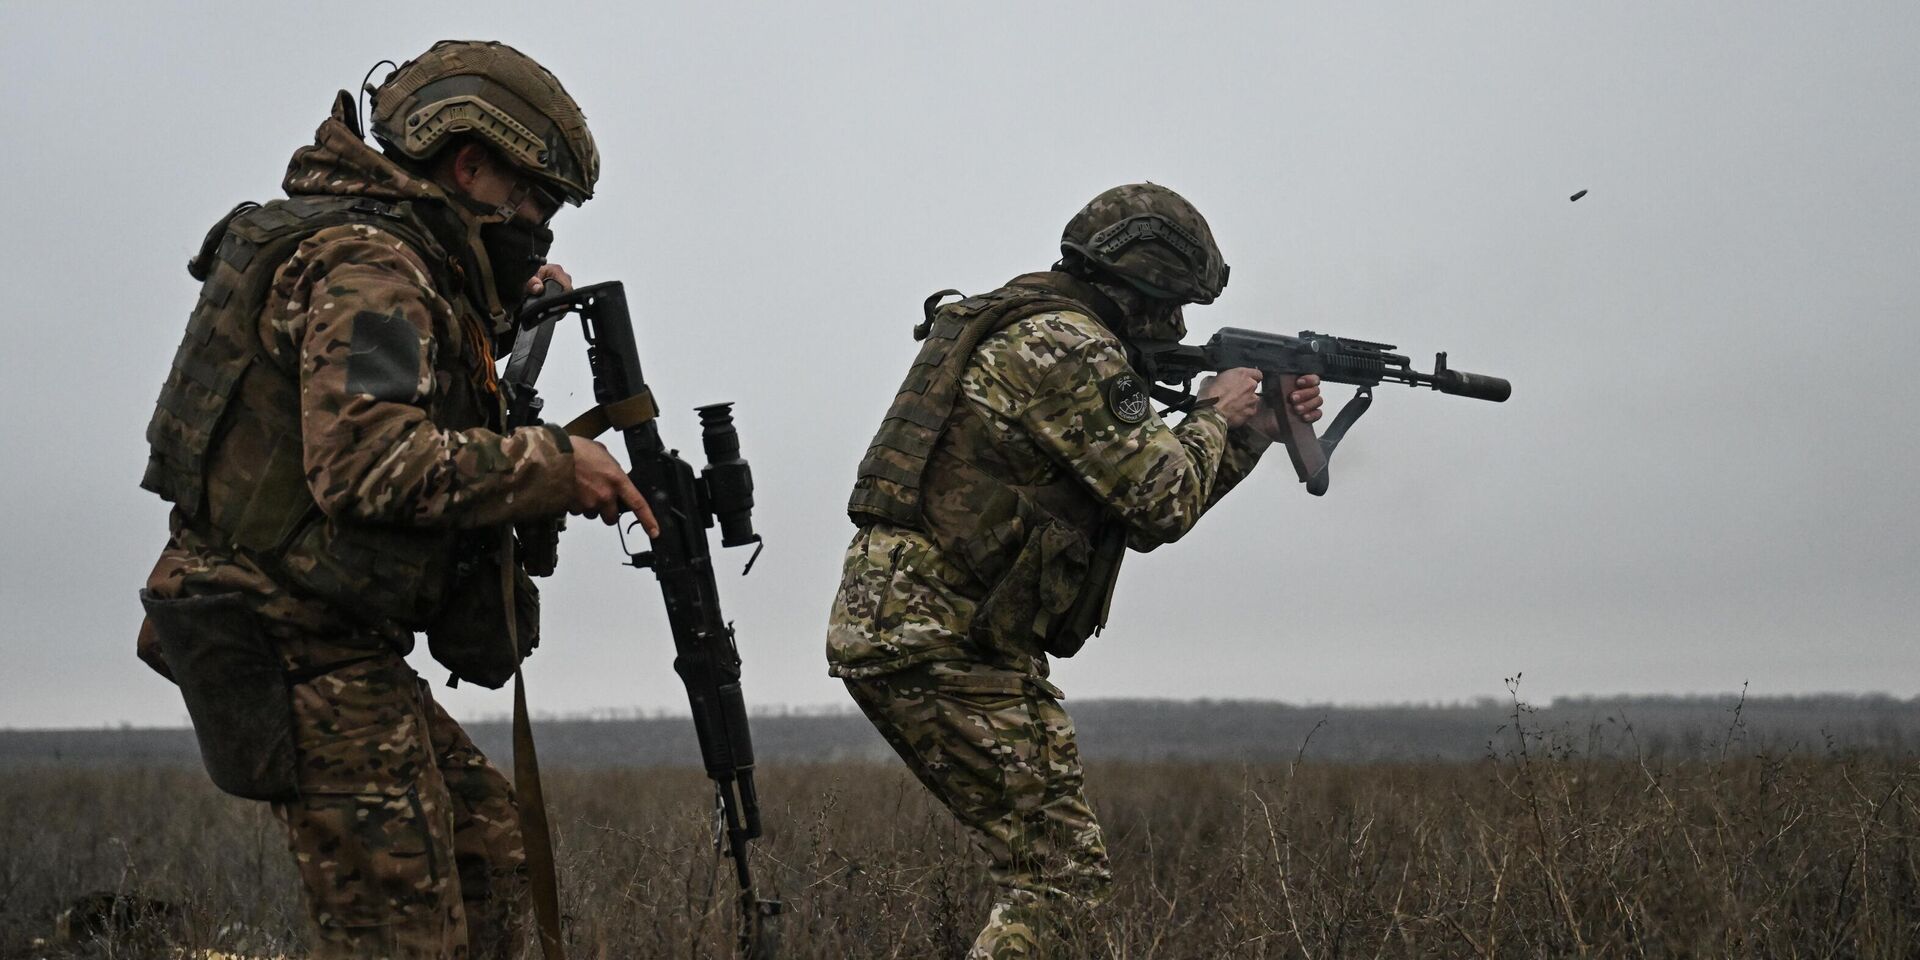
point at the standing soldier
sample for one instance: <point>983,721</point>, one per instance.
<point>331,439</point>
<point>1020,459</point>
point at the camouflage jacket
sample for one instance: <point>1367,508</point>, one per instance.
<point>1039,386</point>
<point>398,408</point>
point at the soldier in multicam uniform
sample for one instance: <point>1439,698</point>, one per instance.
<point>1020,459</point>
<point>331,439</point>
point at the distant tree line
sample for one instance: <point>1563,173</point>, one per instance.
<point>1672,727</point>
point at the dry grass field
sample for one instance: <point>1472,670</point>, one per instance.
<point>1535,851</point>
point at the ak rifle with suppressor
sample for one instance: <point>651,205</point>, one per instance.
<point>1283,360</point>
<point>686,506</point>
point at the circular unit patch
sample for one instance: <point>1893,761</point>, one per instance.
<point>1127,398</point>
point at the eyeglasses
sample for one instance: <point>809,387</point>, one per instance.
<point>546,203</point>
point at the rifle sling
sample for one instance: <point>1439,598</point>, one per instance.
<point>1176,401</point>
<point>618,415</point>
<point>1362,399</point>
<point>535,832</point>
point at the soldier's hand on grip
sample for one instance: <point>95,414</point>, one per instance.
<point>1306,402</point>
<point>1234,393</point>
<point>549,273</point>
<point>1305,398</point>
<point>601,488</point>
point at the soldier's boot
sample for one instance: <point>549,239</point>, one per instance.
<point>1013,932</point>
<point>496,901</point>
<point>495,928</point>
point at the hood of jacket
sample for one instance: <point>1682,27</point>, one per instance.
<point>340,164</point>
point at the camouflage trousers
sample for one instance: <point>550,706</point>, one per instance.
<point>997,749</point>
<point>407,839</point>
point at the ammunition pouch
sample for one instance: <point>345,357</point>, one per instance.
<point>386,573</point>
<point>540,545</point>
<point>235,689</point>
<point>470,634</point>
<point>1043,554</point>
<point>1054,595</point>
<point>1021,610</point>
<point>1093,599</point>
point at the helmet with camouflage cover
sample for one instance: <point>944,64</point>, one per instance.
<point>1152,238</point>
<point>494,92</point>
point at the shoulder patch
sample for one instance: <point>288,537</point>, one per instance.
<point>1127,398</point>
<point>383,361</point>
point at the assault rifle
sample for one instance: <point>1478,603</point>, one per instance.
<point>706,656</point>
<point>1283,360</point>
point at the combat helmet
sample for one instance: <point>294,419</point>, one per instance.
<point>1152,238</point>
<point>495,92</point>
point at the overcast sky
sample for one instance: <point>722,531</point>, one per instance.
<point>1705,475</point>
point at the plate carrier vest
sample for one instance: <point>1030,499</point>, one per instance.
<point>224,440</point>
<point>1044,556</point>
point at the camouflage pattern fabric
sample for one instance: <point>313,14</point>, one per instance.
<point>407,840</point>
<point>1042,391</point>
<point>368,323</point>
<point>900,603</point>
<point>995,746</point>
<point>1046,387</point>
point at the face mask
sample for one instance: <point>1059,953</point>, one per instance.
<point>515,251</point>
<point>1147,318</point>
<point>1157,320</point>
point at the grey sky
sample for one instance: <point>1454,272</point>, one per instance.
<point>1704,476</point>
